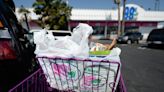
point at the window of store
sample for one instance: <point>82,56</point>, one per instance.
<point>98,30</point>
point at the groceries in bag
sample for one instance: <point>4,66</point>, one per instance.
<point>71,73</point>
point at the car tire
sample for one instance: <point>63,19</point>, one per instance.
<point>150,45</point>
<point>137,41</point>
<point>129,42</point>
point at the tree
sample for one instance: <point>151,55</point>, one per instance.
<point>54,14</point>
<point>123,17</point>
<point>24,12</point>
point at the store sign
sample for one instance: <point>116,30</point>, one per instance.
<point>130,13</point>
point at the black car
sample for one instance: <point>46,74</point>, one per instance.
<point>16,53</point>
<point>130,37</point>
<point>156,38</point>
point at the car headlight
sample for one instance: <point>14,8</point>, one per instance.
<point>125,38</point>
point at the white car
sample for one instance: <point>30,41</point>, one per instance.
<point>60,34</point>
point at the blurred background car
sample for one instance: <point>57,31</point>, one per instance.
<point>130,37</point>
<point>58,34</point>
<point>156,38</point>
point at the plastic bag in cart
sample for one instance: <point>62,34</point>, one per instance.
<point>83,75</point>
<point>70,46</point>
<point>61,73</point>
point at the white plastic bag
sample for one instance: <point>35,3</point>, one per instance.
<point>80,36</point>
<point>76,75</point>
<point>73,46</point>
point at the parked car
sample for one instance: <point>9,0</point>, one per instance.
<point>130,37</point>
<point>60,34</point>
<point>6,49</point>
<point>156,38</point>
<point>56,33</point>
<point>16,53</point>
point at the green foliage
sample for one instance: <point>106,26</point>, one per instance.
<point>54,14</point>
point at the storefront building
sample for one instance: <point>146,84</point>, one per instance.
<point>105,21</point>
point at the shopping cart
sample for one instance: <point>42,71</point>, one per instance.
<point>73,75</point>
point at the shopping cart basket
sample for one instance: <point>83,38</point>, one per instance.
<point>36,82</point>
<point>80,75</point>
<point>33,83</point>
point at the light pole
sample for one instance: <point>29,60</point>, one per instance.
<point>157,4</point>
<point>25,12</point>
<point>119,21</point>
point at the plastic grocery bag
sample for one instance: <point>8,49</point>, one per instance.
<point>61,73</point>
<point>80,36</point>
<point>68,74</point>
<point>70,46</point>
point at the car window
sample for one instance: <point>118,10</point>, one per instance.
<point>61,34</point>
<point>127,34</point>
<point>138,34</point>
<point>157,32</point>
<point>4,33</point>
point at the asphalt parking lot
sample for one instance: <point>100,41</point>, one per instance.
<point>142,68</point>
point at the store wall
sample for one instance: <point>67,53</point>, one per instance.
<point>145,31</point>
<point>160,25</point>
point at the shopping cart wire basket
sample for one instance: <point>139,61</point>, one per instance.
<point>79,74</point>
<point>73,75</point>
<point>33,83</point>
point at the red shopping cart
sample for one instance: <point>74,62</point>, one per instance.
<point>73,75</point>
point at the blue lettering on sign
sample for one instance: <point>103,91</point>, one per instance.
<point>130,13</point>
